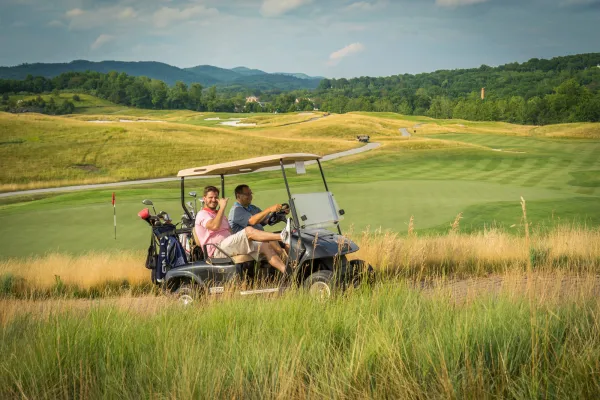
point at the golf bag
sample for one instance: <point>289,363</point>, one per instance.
<point>170,251</point>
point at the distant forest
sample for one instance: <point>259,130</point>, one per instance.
<point>563,89</point>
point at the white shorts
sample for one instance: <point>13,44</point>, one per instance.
<point>238,244</point>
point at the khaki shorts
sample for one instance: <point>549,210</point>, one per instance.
<point>238,244</point>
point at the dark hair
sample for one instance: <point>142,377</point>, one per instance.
<point>239,189</point>
<point>210,189</point>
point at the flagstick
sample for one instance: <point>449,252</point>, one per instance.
<point>114,213</point>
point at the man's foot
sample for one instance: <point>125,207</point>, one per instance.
<point>286,233</point>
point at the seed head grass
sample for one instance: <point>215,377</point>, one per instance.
<point>392,341</point>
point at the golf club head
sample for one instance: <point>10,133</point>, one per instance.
<point>190,204</point>
<point>193,194</point>
<point>147,202</point>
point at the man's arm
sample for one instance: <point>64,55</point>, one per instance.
<point>215,223</point>
<point>261,216</point>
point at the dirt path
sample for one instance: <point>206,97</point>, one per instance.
<point>404,132</point>
<point>547,288</point>
<point>369,146</point>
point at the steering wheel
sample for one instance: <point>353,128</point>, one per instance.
<point>279,216</point>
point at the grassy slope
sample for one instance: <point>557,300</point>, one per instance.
<point>448,168</point>
<point>38,151</point>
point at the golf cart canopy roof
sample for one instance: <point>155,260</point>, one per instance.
<point>249,165</point>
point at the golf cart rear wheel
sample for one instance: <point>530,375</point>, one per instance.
<point>187,293</point>
<point>320,285</point>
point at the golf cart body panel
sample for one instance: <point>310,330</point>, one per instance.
<point>320,243</point>
<point>197,272</point>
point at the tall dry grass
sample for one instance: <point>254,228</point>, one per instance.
<point>490,251</point>
<point>455,255</point>
<point>390,342</point>
<point>90,275</point>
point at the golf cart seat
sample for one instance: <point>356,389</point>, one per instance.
<point>236,259</point>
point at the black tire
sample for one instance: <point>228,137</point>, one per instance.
<point>320,285</point>
<point>187,293</point>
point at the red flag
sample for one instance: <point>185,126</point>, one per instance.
<point>113,199</point>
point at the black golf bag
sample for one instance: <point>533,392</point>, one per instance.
<point>165,252</point>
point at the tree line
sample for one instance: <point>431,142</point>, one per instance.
<point>563,89</point>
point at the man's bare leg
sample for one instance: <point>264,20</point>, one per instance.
<point>261,236</point>
<point>272,257</point>
<point>280,251</point>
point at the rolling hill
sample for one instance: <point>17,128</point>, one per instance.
<point>207,75</point>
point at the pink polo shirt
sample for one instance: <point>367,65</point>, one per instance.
<point>206,235</point>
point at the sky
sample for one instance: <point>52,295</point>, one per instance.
<point>331,38</point>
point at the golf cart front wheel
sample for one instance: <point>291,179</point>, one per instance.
<point>186,294</point>
<point>320,285</point>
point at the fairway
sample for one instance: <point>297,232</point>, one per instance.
<point>432,178</point>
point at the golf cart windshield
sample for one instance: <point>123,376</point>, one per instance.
<point>316,210</point>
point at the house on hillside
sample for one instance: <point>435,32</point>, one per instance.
<point>299,100</point>
<point>252,99</point>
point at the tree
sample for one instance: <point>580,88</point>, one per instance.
<point>195,96</point>
<point>158,93</point>
<point>178,96</point>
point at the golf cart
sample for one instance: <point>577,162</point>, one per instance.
<point>316,257</point>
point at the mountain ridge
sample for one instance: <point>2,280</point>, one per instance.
<point>206,75</point>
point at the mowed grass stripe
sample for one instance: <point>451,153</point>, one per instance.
<point>517,166</point>
<point>547,170</point>
<point>590,160</point>
<point>488,169</point>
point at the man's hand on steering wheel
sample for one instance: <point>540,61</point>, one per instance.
<point>278,213</point>
<point>275,208</point>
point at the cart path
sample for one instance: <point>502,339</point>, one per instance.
<point>404,132</point>
<point>548,288</point>
<point>367,147</point>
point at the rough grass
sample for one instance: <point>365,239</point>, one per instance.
<point>39,151</point>
<point>415,257</point>
<point>389,342</point>
<point>573,131</point>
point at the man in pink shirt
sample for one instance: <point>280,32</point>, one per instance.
<point>212,227</point>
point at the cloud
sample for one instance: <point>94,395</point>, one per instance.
<point>273,8</point>
<point>56,24</point>
<point>76,12</point>
<point>457,3</point>
<point>101,41</point>
<point>580,3</point>
<point>127,13</point>
<point>366,5</point>
<point>337,56</point>
<point>166,16</point>
<point>100,17</point>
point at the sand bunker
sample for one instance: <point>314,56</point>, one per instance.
<point>509,151</point>
<point>104,121</point>
<point>235,123</point>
